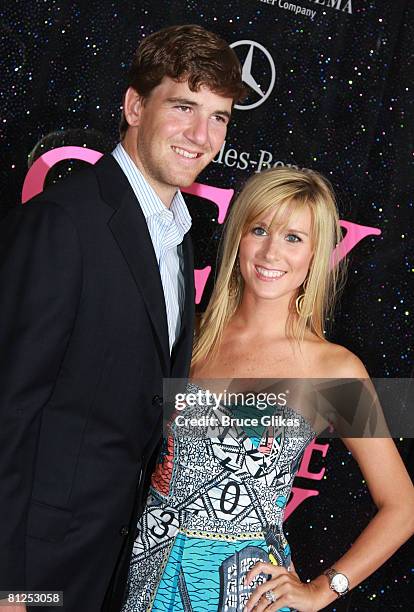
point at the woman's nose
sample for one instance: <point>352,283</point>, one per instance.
<point>271,249</point>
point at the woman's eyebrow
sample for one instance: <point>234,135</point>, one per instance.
<point>296,231</point>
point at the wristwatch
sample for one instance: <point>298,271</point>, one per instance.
<point>337,582</point>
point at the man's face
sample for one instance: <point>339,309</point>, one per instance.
<point>178,132</point>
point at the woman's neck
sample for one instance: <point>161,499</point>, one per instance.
<point>259,317</point>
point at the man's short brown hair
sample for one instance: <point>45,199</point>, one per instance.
<point>185,53</point>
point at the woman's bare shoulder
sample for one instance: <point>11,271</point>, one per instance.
<point>336,361</point>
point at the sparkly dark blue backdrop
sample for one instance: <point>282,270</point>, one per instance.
<point>341,104</point>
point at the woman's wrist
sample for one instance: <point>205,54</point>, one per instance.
<point>323,594</point>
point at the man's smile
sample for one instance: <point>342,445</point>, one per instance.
<point>185,153</point>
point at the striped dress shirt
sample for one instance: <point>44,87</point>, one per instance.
<point>167,228</point>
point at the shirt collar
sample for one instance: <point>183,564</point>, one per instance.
<point>150,202</point>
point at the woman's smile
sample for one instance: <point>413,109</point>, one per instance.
<point>268,274</point>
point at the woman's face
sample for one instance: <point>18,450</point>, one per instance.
<point>274,261</point>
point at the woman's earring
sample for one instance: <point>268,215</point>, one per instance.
<point>299,302</point>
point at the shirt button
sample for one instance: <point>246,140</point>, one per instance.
<point>124,531</point>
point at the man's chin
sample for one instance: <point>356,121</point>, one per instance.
<point>186,180</point>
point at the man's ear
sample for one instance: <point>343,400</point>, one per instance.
<point>133,103</point>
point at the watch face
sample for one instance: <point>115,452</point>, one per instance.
<point>340,583</point>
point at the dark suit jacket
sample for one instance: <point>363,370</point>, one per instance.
<point>83,352</point>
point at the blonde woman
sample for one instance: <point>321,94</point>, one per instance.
<point>211,537</point>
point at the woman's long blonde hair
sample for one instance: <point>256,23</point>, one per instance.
<point>284,190</point>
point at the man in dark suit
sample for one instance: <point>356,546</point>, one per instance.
<point>96,308</point>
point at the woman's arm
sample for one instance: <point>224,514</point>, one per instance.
<point>393,493</point>
<point>391,490</point>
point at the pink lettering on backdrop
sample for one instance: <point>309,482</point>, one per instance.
<point>298,496</point>
<point>354,234</point>
<point>200,279</point>
<point>35,178</point>
<point>220,197</point>
<point>304,471</point>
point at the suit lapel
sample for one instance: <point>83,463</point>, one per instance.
<point>181,354</point>
<point>130,230</point>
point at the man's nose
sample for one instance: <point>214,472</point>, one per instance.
<point>197,132</point>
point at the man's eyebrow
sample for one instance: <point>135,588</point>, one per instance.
<point>186,102</point>
<point>223,113</point>
<point>182,101</point>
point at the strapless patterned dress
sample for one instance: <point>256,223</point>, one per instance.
<point>215,508</point>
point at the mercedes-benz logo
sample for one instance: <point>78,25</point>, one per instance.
<point>247,76</point>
